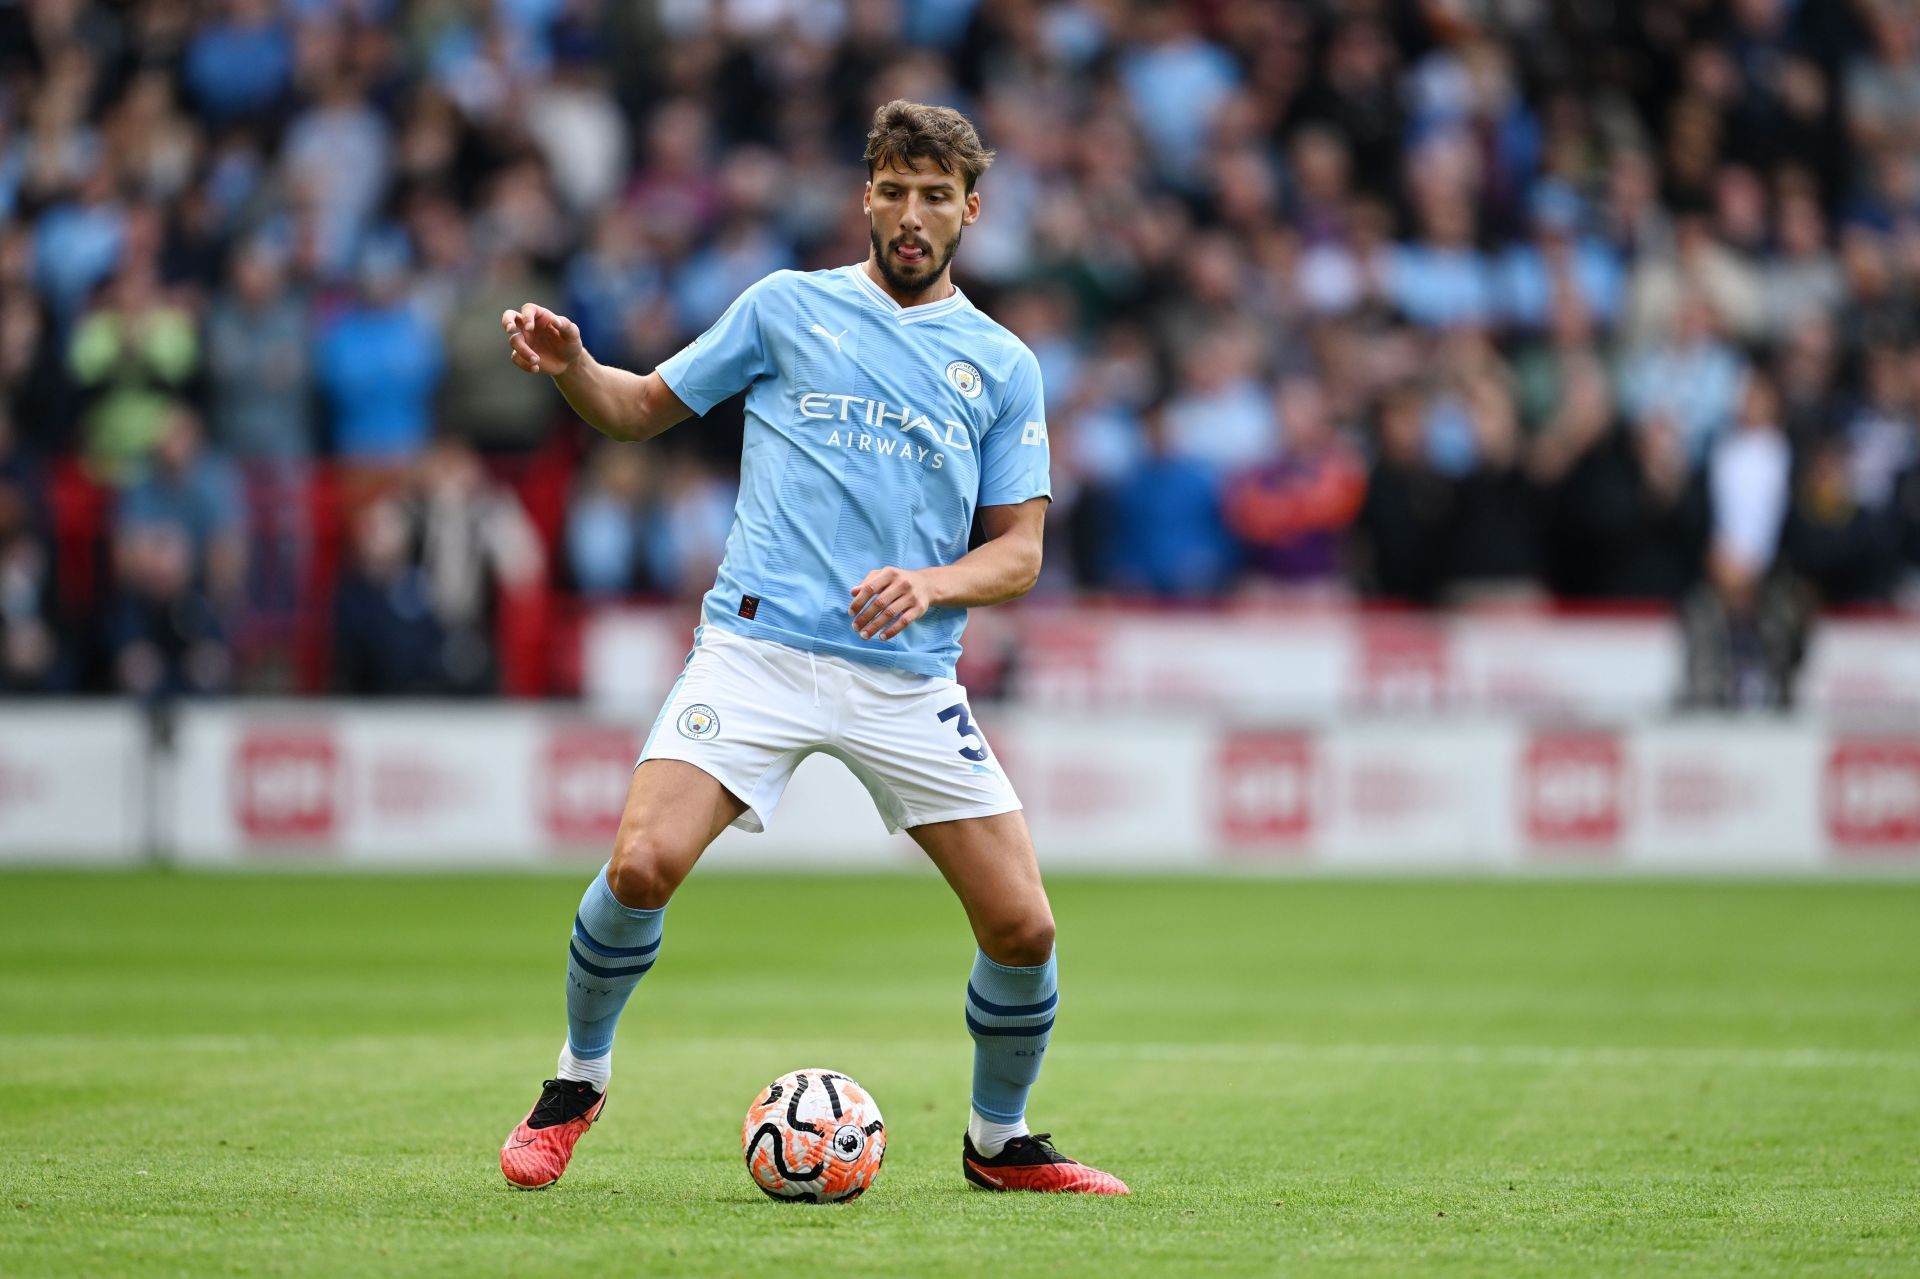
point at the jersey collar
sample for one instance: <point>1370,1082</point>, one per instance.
<point>906,314</point>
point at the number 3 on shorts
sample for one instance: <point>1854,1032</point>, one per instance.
<point>964,726</point>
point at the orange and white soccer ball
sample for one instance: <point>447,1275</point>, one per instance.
<point>814,1136</point>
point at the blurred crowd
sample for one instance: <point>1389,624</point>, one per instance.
<point>1436,302</point>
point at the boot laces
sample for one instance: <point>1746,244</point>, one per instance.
<point>562,1101</point>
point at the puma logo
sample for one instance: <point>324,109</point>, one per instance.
<point>831,337</point>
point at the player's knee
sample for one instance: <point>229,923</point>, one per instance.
<point>1020,941</point>
<point>641,875</point>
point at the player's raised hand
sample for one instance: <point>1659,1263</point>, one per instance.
<point>887,600</point>
<point>541,341</point>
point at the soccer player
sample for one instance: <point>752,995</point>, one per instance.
<point>883,413</point>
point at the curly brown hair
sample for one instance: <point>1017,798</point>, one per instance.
<point>906,131</point>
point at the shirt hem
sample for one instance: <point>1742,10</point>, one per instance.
<point>912,663</point>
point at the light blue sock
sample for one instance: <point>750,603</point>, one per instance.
<point>611,949</point>
<point>1010,1014</point>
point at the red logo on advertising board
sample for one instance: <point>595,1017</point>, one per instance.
<point>286,784</point>
<point>1872,795</point>
<point>1573,790</point>
<point>583,784</point>
<point>1266,788</point>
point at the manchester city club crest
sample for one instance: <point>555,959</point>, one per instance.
<point>965,379</point>
<point>699,722</point>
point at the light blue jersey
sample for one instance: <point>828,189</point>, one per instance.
<point>873,432</point>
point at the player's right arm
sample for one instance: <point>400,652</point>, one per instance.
<point>614,402</point>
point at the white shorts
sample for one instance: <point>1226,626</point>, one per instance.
<point>748,711</point>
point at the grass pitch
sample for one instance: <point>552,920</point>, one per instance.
<point>311,1075</point>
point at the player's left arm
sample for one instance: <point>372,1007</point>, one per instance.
<point>1003,567</point>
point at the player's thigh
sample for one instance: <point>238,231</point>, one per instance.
<point>921,754</point>
<point>989,863</point>
<point>745,713</point>
<point>674,810</point>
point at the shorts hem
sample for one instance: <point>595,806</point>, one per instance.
<point>753,821</point>
<point>990,809</point>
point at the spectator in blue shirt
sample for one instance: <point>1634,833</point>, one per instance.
<point>607,523</point>
<point>1441,280</point>
<point>241,65</point>
<point>1167,535</point>
<point>1177,82</point>
<point>190,489</point>
<point>1560,258</point>
<point>179,558</point>
<point>258,352</point>
<point>611,280</point>
<point>379,365</point>
<point>1692,381</point>
<point>77,242</point>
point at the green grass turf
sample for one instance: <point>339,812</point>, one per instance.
<point>294,1074</point>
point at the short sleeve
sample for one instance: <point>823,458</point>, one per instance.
<point>1014,454</point>
<point>724,360</point>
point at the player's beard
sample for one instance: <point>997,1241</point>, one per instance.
<point>911,285</point>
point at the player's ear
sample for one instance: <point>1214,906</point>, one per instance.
<point>973,209</point>
<point>866,199</point>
